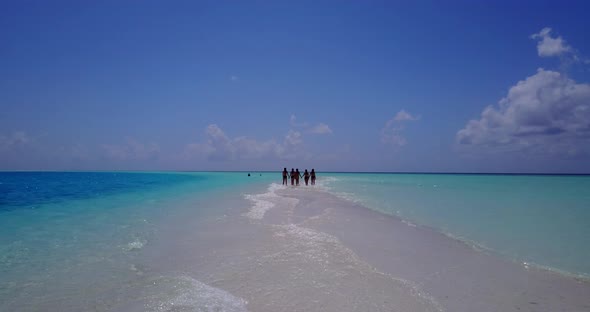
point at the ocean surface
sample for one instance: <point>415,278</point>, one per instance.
<point>541,220</point>
<point>112,241</point>
<point>71,241</point>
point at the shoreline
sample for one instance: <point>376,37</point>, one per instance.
<point>406,251</point>
<point>265,247</point>
<point>478,247</point>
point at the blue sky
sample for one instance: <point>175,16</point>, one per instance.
<point>344,85</point>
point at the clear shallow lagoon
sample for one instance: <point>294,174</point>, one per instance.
<point>113,241</point>
<point>74,237</point>
<point>538,219</point>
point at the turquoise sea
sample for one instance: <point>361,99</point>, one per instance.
<point>71,240</point>
<point>541,220</point>
<point>74,240</point>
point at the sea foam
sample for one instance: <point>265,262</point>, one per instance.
<point>184,293</point>
<point>263,202</point>
<point>197,296</point>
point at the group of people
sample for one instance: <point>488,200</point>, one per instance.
<point>294,175</point>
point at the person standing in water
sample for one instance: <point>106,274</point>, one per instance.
<point>306,177</point>
<point>297,176</point>
<point>292,176</point>
<point>312,176</point>
<point>285,175</point>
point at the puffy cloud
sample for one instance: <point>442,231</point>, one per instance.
<point>221,147</point>
<point>295,124</point>
<point>291,147</point>
<point>548,45</point>
<point>546,112</point>
<point>131,150</point>
<point>293,138</point>
<point>320,128</point>
<point>405,116</point>
<point>392,131</point>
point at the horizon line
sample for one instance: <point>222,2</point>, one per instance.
<point>329,171</point>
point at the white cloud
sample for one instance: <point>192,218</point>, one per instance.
<point>545,113</point>
<point>550,46</point>
<point>392,131</point>
<point>221,147</point>
<point>293,122</point>
<point>405,116</point>
<point>321,128</point>
<point>293,138</point>
<point>234,78</point>
<point>131,150</point>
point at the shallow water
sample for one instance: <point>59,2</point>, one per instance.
<point>228,242</point>
<point>538,219</point>
<point>70,241</point>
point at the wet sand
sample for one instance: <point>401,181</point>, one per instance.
<point>456,275</point>
<point>303,249</point>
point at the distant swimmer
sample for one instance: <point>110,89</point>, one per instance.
<point>248,174</point>
<point>285,176</point>
<point>306,177</point>
<point>312,176</point>
<point>292,176</point>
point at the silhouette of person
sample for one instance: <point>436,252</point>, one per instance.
<point>312,176</point>
<point>285,175</point>
<point>297,176</point>
<point>292,175</point>
<point>306,177</point>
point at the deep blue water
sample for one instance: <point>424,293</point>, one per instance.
<point>74,238</point>
<point>31,189</point>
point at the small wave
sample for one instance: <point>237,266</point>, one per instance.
<point>260,207</point>
<point>579,276</point>
<point>135,245</point>
<point>273,187</point>
<point>185,293</point>
<point>408,223</point>
<point>138,269</point>
<point>480,247</point>
<point>338,261</point>
<point>329,179</point>
<point>324,183</point>
<point>305,235</point>
<point>263,202</point>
